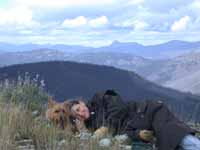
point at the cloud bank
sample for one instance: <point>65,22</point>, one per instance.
<point>96,23</point>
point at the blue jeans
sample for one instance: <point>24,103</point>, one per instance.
<point>190,142</point>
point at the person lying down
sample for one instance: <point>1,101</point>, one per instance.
<point>140,121</point>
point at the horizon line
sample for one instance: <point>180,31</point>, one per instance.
<point>110,43</point>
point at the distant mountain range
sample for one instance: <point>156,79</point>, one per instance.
<point>170,73</point>
<point>7,47</point>
<point>160,51</point>
<point>179,72</point>
<point>71,80</point>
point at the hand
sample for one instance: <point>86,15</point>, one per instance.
<point>146,135</point>
<point>101,132</point>
<point>79,125</point>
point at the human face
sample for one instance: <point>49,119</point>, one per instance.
<point>80,111</point>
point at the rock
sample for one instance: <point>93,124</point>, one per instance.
<point>121,138</point>
<point>25,144</point>
<point>62,142</point>
<point>27,147</point>
<point>85,136</point>
<point>125,147</point>
<point>105,142</point>
<point>35,113</point>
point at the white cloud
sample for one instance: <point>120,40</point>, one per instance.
<point>194,8</point>
<point>196,4</point>
<point>127,23</point>
<point>140,25</point>
<point>49,19</point>
<point>26,32</point>
<point>98,22</point>
<point>134,23</point>
<point>181,24</point>
<point>62,3</point>
<point>135,2</point>
<point>17,17</point>
<point>76,22</point>
<point>83,21</point>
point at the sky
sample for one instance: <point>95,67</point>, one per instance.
<point>98,22</point>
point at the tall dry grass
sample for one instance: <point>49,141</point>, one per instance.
<point>18,101</point>
<point>18,124</point>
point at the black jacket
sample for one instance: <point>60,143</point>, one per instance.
<point>108,109</point>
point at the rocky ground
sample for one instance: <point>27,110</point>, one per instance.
<point>119,142</point>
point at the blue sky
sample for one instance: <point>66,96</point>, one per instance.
<point>99,22</point>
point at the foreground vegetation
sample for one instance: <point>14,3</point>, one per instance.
<point>23,125</point>
<point>19,126</point>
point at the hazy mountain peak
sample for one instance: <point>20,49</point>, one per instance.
<point>115,42</point>
<point>167,50</point>
<point>184,44</point>
<point>118,43</point>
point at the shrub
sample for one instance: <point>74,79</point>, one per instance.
<point>25,91</point>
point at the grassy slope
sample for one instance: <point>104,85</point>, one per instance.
<point>19,123</point>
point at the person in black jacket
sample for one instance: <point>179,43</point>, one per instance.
<point>136,119</point>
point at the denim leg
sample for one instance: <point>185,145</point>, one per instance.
<point>190,142</point>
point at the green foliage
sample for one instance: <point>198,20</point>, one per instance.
<point>25,92</point>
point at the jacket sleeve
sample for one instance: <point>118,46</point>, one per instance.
<point>112,112</point>
<point>137,120</point>
<point>115,111</point>
<point>108,107</point>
